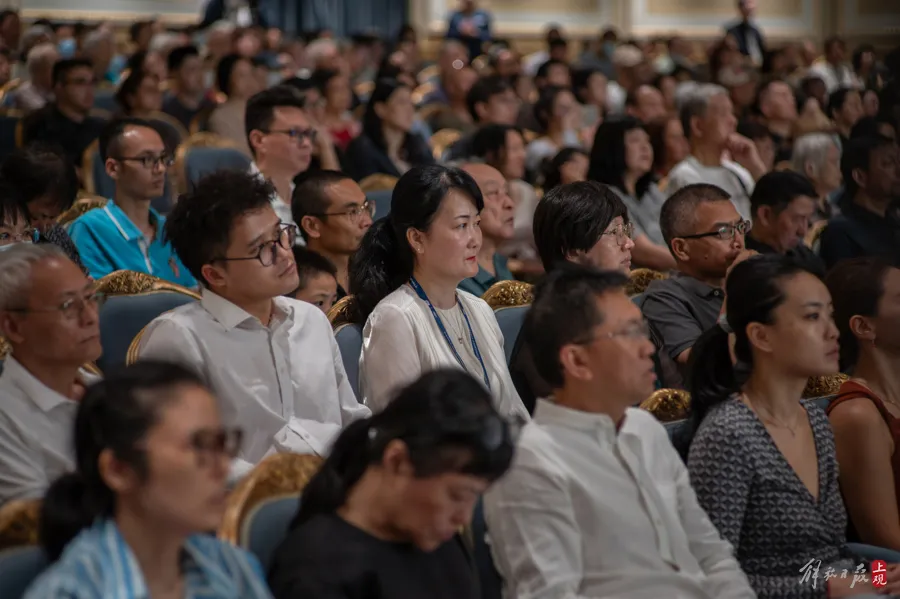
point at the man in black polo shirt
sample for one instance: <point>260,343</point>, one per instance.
<point>871,181</point>
<point>705,233</point>
<point>492,101</point>
<point>66,122</point>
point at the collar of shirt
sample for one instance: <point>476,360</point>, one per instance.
<point>43,396</point>
<point>254,170</point>
<point>483,277</point>
<point>548,412</point>
<point>230,315</point>
<point>697,287</point>
<point>128,229</point>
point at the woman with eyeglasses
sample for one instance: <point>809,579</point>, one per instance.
<point>133,519</point>
<point>15,226</point>
<point>383,517</point>
<point>404,280</point>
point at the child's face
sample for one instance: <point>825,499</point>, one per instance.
<point>320,290</point>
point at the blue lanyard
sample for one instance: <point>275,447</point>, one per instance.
<point>421,293</point>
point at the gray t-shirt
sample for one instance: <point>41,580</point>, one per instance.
<point>644,213</point>
<point>681,308</point>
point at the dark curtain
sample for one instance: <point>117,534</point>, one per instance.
<point>343,17</point>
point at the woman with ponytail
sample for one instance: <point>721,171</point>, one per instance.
<point>381,519</point>
<point>152,459</point>
<point>404,280</point>
<point>762,462</point>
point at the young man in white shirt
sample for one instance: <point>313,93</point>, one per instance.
<point>707,116</point>
<point>48,315</point>
<point>597,502</point>
<point>272,361</point>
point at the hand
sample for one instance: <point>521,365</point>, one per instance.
<point>744,152</point>
<point>893,581</point>
<point>745,254</point>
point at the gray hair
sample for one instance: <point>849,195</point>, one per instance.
<point>226,27</point>
<point>97,37</point>
<point>41,55</point>
<point>16,265</point>
<point>697,102</point>
<point>319,49</point>
<point>163,42</point>
<point>812,150</point>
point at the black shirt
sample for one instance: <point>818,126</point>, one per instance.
<point>328,558</point>
<point>364,157</point>
<point>50,126</point>
<point>801,252</point>
<point>856,233</point>
<point>174,108</point>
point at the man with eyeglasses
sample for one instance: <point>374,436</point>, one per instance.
<point>705,233</point>
<point>66,122</point>
<point>333,215</point>
<point>597,502</point>
<point>271,360</point>
<point>282,139</point>
<point>127,233</point>
<point>49,318</point>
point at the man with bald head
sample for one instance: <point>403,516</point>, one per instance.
<point>453,56</point>
<point>49,317</point>
<point>497,227</point>
<point>646,104</point>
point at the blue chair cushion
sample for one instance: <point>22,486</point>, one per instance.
<point>19,567</point>
<point>123,316</point>
<point>105,99</point>
<point>200,162</point>
<point>267,526</point>
<point>675,428</point>
<point>510,321</point>
<point>382,201</point>
<point>490,580</point>
<point>871,552</point>
<point>823,402</point>
<point>349,340</point>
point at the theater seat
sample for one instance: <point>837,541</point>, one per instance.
<point>18,569</point>
<point>510,321</point>
<point>871,552</point>
<point>202,161</point>
<point>489,579</point>
<point>349,340</point>
<point>266,527</point>
<point>382,200</point>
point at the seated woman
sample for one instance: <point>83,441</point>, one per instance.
<point>381,519</point>
<point>570,165</point>
<point>133,519</point>
<point>557,114</point>
<point>140,96</point>
<point>15,226</point>
<point>670,147</point>
<point>762,462</point>
<point>337,98</point>
<point>865,415</point>
<point>622,158</point>
<point>387,143</point>
<point>235,79</point>
<point>404,281</point>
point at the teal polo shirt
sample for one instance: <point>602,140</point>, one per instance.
<point>108,241</point>
<point>482,281</point>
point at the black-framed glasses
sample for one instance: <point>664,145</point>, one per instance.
<point>355,212</point>
<point>622,232</point>
<point>210,443</point>
<point>149,161</point>
<point>296,134</point>
<point>287,235</point>
<point>72,308</point>
<point>29,235</point>
<point>724,232</point>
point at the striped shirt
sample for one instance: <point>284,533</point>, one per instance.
<point>98,564</point>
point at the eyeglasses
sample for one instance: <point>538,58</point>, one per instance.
<point>622,232</point>
<point>80,81</point>
<point>209,444</point>
<point>725,232</point>
<point>639,331</point>
<point>150,161</point>
<point>296,134</point>
<point>287,235</point>
<point>72,308</point>
<point>355,212</point>
<point>27,236</point>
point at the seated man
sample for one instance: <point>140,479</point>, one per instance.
<point>318,282</point>
<point>272,361</point>
<point>497,227</point>
<point>706,235</point>
<point>597,502</point>
<point>127,233</point>
<point>492,100</point>
<point>186,97</point>
<point>333,215</point>
<point>871,181</point>
<point>49,317</point>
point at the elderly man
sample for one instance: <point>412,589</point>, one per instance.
<point>48,315</point>
<point>100,48</point>
<point>818,156</point>
<point>453,55</point>
<point>35,93</point>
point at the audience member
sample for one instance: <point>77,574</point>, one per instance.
<point>554,50</point>
<point>629,64</point>
<point>749,38</point>
<point>333,215</point>
<point>37,92</point>
<point>186,98</point>
<point>294,395</point>
<point>455,115</point>
<point>589,87</point>
<point>471,26</point>
<point>705,233</point>
<point>404,281</point>
<point>15,226</point>
<point>597,502</point>
<point>646,104</point>
<point>834,71</point>
<point>337,99</point>
<point>783,204</point>
<point>128,233</point>
<point>492,100</point>
<point>318,279</point>
<point>570,165</point>
<point>710,127</point>
<point>99,47</point>
<point>451,56</point>
<point>868,126</point>
<point>845,109</point>
<point>670,147</point>
<point>151,461</point>
<point>497,224</point>
<point>557,114</point>
<point>871,180</point>
<point>49,317</point>
<point>409,479</point>
<point>387,143</point>
<point>778,107</point>
<point>234,78</point>
<point>818,156</point>
<point>139,94</point>
<point>10,28</point>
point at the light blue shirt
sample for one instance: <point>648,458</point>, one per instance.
<point>108,241</point>
<point>98,564</point>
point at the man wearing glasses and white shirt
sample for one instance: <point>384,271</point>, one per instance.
<point>272,361</point>
<point>282,138</point>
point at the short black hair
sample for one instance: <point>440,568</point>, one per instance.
<point>543,108</point>
<point>858,155</point>
<point>837,98</point>
<point>134,31</point>
<point>559,42</point>
<point>130,86</point>
<point>320,78</point>
<point>581,78</point>
<point>778,189</point>
<point>869,126</point>
<point>62,67</point>
<point>564,312</point>
<point>199,226</point>
<point>178,55</point>
<point>677,214</point>
<point>12,204</point>
<point>484,89</point>
<point>223,72</point>
<point>309,264</point>
<point>310,197</point>
<point>260,111</point>
<point>544,69</point>
<point>41,172</point>
<point>112,132</point>
<point>573,217</point>
<point>489,142</point>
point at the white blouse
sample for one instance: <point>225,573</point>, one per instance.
<point>401,341</point>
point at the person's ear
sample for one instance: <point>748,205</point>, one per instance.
<point>809,170</point>
<point>214,276</point>
<point>380,110</point>
<point>696,132</point>
<point>573,361</point>
<point>759,336</point>
<point>481,111</point>
<point>10,327</point>
<point>416,240</point>
<point>256,138</point>
<point>112,168</point>
<point>395,459</point>
<point>862,328</point>
<point>764,215</point>
<point>116,474</point>
<point>310,224</point>
<point>681,250</point>
<point>860,177</point>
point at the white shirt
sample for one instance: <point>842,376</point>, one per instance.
<point>731,176</point>
<point>282,208</point>
<point>36,429</point>
<point>589,512</point>
<point>283,384</point>
<point>402,341</point>
<point>615,98</point>
<point>834,77</point>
